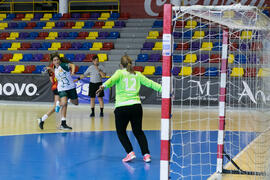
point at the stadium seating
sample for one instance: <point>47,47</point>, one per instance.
<point>211,71</point>
<point>16,57</point>
<point>176,71</point>
<point>149,70</point>
<point>237,72</point>
<point>264,72</point>
<point>138,68</point>
<point>190,58</point>
<point>18,69</point>
<point>158,71</point>
<point>185,71</point>
<point>198,71</point>
<point>158,46</point>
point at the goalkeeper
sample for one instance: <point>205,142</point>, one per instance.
<point>128,106</point>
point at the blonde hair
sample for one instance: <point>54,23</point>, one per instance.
<point>126,62</point>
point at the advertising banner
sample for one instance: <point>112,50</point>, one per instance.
<point>82,87</point>
<point>35,88</point>
<point>152,8</point>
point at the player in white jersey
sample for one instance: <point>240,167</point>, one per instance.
<point>63,70</point>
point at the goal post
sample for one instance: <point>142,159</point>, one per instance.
<point>216,63</point>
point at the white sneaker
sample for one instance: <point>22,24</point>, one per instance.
<point>147,158</point>
<point>130,156</point>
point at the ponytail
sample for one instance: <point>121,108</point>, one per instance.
<point>126,62</point>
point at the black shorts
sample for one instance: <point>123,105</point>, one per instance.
<point>55,92</point>
<point>93,87</point>
<point>71,94</point>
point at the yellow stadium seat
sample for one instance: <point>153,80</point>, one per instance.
<point>18,69</point>
<point>104,16</point>
<point>28,17</point>
<point>149,70</point>
<point>246,35</point>
<point>13,36</point>
<point>16,57</point>
<point>78,25</point>
<point>15,46</point>
<point>237,72</point>
<point>191,24</point>
<point>158,46</point>
<point>55,46</point>
<point>92,35</point>
<point>96,46</point>
<point>52,35</point>
<point>2,17</point>
<point>108,25</point>
<point>61,55</point>
<point>228,14</point>
<point>49,25</point>
<point>264,72</point>
<point>185,71</point>
<point>3,25</point>
<point>231,58</point>
<point>153,35</point>
<point>190,58</point>
<point>198,35</point>
<point>46,17</point>
<point>102,57</point>
<point>207,46</point>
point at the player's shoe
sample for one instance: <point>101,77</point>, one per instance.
<point>57,108</point>
<point>92,115</point>
<point>40,123</point>
<point>64,126</point>
<point>101,114</point>
<point>130,156</point>
<point>147,158</point>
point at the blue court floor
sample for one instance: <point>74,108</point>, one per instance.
<point>98,155</point>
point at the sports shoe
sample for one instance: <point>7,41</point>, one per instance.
<point>130,156</point>
<point>65,127</point>
<point>92,115</point>
<point>101,114</point>
<point>57,108</point>
<point>40,123</point>
<point>147,158</point>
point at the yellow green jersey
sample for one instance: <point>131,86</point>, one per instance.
<point>128,86</point>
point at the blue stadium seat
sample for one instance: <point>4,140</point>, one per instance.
<point>27,57</point>
<point>39,69</point>
<point>45,46</point>
<point>88,25</point>
<point>158,71</point>
<point>5,46</point>
<point>113,35</point>
<point>240,59</point>
<point>33,35</point>
<point>2,68</point>
<point>142,58</point>
<point>73,35</point>
<point>212,71</point>
<point>56,16</point>
<point>86,46</point>
<point>82,69</point>
<point>157,24</point>
<point>70,57</point>
<point>114,16</point>
<point>178,58</point>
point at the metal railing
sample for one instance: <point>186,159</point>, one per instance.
<point>107,5</point>
<point>35,5</point>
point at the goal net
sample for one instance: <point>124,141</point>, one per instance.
<point>216,61</point>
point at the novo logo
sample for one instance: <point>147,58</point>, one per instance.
<point>9,89</point>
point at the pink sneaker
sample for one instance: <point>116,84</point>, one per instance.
<point>129,157</point>
<point>147,158</point>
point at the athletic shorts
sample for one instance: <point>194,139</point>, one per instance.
<point>55,92</point>
<point>93,87</point>
<point>71,94</point>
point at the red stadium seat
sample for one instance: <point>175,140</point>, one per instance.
<point>29,69</point>
<point>233,46</point>
<point>198,71</point>
<point>25,46</point>
<point>215,58</point>
<point>138,68</point>
<point>66,16</point>
<point>65,46</point>
<point>4,35</point>
<point>46,58</point>
<point>250,72</point>
<point>182,46</point>
<point>18,17</point>
<point>107,46</point>
<point>69,25</point>
<point>180,24</point>
<point>42,35</point>
<point>7,57</point>
<point>99,24</point>
<point>82,35</point>
<point>89,58</point>
<point>30,25</point>
<point>85,16</point>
